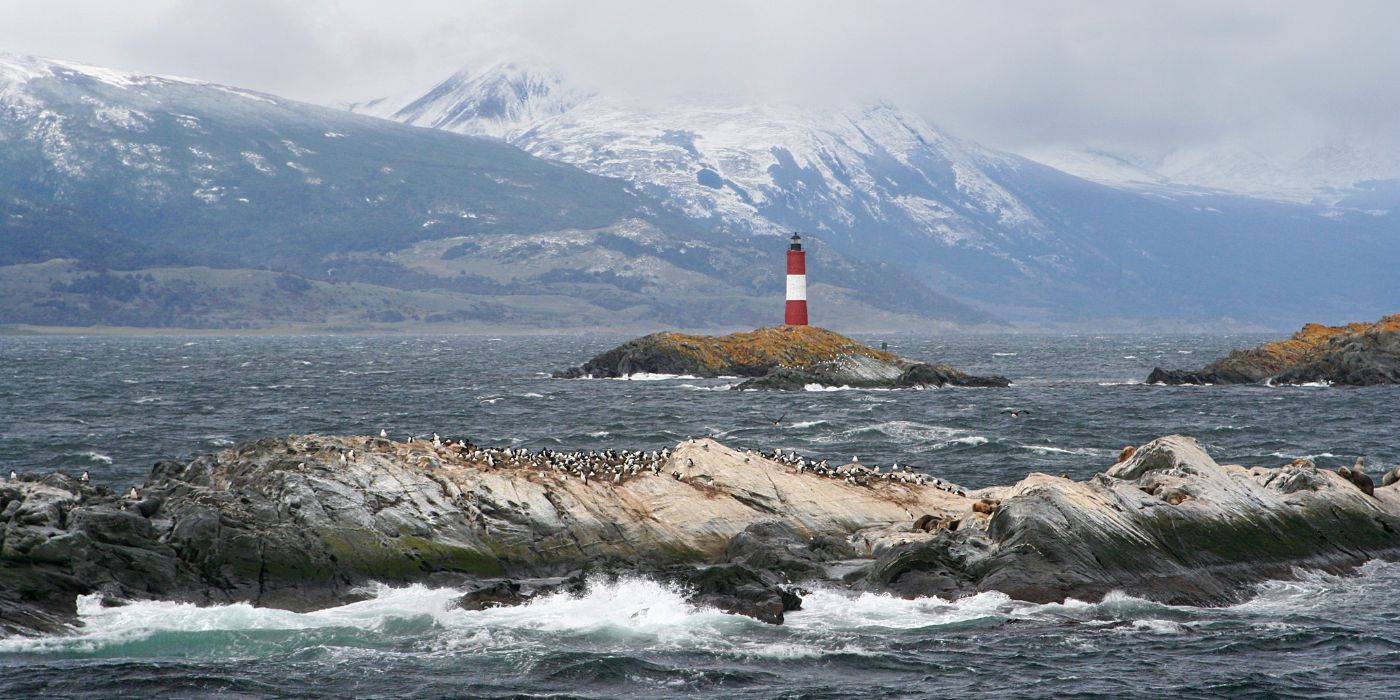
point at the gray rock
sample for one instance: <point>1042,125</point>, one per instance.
<point>286,523</point>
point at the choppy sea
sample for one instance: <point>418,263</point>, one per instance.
<point>114,405</point>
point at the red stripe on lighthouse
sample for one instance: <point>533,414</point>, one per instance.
<point>797,262</point>
<point>796,313</point>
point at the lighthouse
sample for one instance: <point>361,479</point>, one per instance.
<point>796,284</point>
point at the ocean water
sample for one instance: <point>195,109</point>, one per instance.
<point>113,406</point>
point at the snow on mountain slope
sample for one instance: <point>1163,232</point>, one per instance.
<point>498,103</point>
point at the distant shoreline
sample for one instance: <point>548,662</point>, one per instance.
<point>1108,327</point>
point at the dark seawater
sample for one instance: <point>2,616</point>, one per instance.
<point>116,405</point>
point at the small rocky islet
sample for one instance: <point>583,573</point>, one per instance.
<point>1355,354</point>
<point>304,522</point>
<point>785,357</point>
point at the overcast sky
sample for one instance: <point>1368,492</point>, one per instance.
<point>1144,76</point>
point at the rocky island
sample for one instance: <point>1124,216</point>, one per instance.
<point>1357,354</point>
<point>302,522</point>
<point>780,357</point>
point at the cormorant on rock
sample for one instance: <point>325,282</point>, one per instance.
<point>84,477</point>
<point>134,494</point>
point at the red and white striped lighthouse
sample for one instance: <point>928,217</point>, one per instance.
<point>796,284</point>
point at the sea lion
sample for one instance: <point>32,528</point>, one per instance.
<point>986,506</point>
<point>1175,496</point>
<point>1357,476</point>
<point>1391,476</point>
<point>1126,454</point>
<point>924,522</point>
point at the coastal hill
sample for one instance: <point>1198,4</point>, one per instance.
<point>302,522</point>
<point>1356,354</point>
<point>778,357</point>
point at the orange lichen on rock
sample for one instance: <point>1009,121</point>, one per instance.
<point>1309,343</point>
<point>785,346</point>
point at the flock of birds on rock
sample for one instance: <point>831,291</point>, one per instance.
<point>857,473</point>
<point>617,466</point>
<point>612,466</point>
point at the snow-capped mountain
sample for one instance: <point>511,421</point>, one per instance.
<point>740,165</point>
<point>104,171</point>
<point>1012,234</point>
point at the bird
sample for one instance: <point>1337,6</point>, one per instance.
<point>383,433</point>
<point>776,421</point>
<point>84,477</point>
<point>1015,412</point>
<point>134,494</point>
<point>855,459</point>
<point>13,475</point>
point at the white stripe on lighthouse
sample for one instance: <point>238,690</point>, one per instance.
<point>797,287</point>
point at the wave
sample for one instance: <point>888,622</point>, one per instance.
<point>1004,354</point>
<point>95,457</point>
<point>653,377</point>
<point>907,432</point>
<point>1284,455</point>
<point>1126,382</point>
<point>1047,449</point>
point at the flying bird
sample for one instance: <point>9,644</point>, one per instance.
<point>776,421</point>
<point>1015,412</point>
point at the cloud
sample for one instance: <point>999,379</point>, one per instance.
<point>1132,75</point>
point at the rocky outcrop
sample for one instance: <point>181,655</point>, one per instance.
<point>781,357</point>
<point>301,522</point>
<point>1357,354</point>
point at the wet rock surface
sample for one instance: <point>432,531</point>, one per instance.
<point>1357,354</point>
<point>304,522</point>
<point>781,358</point>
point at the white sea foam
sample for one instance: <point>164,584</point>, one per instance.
<point>631,613</point>
<point>653,377</point>
<point>1004,354</point>
<point>95,457</point>
<point>846,387</point>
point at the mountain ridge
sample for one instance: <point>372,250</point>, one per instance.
<point>1010,234</point>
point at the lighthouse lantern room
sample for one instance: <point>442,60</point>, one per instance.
<point>796,284</point>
